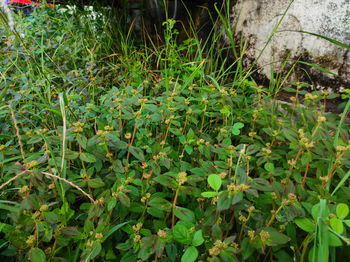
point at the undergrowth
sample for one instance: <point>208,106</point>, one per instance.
<point>112,150</point>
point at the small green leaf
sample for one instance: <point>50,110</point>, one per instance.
<point>236,128</point>
<point>190,255</point>
<point>209,194</point>
<point>336,225</point>
<point>269,167</point>
<point>188,149</point>
<point>87,157</point>
<point>342,210</point>
<point>215,181</point>
<point>181,234</point>
<point>37,255</point>
<point>305,224</point>
<point>197,239</point>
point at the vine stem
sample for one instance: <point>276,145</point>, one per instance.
<point>174,205</point>
<point>130,144</point>
<point>274,216</point>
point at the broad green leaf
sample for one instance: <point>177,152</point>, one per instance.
<point>190,254</point>
<point>269,167</point>
<point>82,141</point>
<point>137,152</point>
<point>188,149</point>
<point>247,248</point>
<point>336,225</point>
<point>166,181</point>
<point>155,212</point>
<point>334,241</point>
<point>71,155</point>
<point>160,203</point>
<point>37,255</point>
<point>276,238</point>
<point>181,234</point>
<point>342,210</point>
<point>209,194</point>
<point>190,134</point>
<point>197,238</point>
<point>305,224</point>
<point>184,214</point>
<point>96,182</point>
<point>96,249</point>
<point>347,222</point>
<point>111,204</point>
<point>124,199</point>
<point>224,201</point>
<point>215,181</point>
<point>87,157</point>
<point>171,251</point>
<point>227,256</point>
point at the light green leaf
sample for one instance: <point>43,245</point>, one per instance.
<point>347,222</point>
<point>305,224</point>
<point>37,255</point>
<point>197,239</point>
<point>215,181</point>
<point>190,255</point>
<point>334,241</point>
<point>209,194</point>
<point>188,149</point>
<point>236,128</point>
<point>181,234</point>
<point>342,210</point>
<point>336,225</point>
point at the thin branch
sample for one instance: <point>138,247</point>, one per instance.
<point>13,178</point>
<point>19,136</point>
<point>71,184</point>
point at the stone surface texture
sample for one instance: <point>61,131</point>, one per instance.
<point>330,18</point>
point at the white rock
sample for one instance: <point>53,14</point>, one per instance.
<point>330,18</point>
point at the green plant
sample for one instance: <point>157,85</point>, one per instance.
<point>126,152</point>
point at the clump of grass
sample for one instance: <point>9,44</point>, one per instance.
<point>127,152</point>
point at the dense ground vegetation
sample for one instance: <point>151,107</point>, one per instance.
<point>116,150</point>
